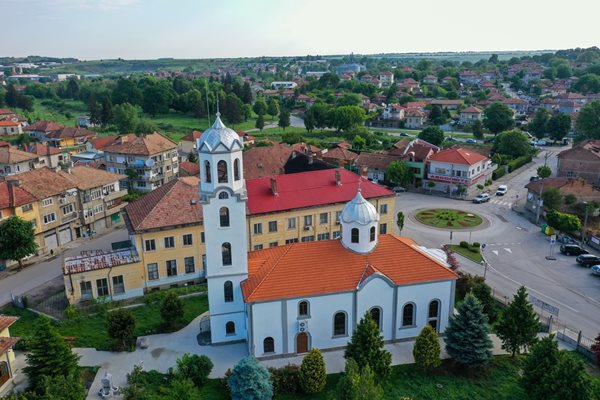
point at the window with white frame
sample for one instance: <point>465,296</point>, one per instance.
<point>49,218</point>
<point>47,202</point>
<point>68,209</point>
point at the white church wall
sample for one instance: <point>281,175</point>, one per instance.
<point>421,295</point>
<point>218,325</point>
<point>267,322</point>
<point>376,292</point>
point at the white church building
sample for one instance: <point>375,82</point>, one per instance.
<point>289,299</point>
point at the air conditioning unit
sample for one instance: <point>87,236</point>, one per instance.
<point>307,227</point>
<point>303,325</point>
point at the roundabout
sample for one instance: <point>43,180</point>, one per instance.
<point>448,218</point>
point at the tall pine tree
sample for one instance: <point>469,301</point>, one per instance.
<point>49,356</point>
<point>536,369</point>
<point>366,348</point>
<point>467,335</point>
<point>484,294</point>
<point>518,324</point>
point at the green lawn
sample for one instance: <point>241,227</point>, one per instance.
<point>449,218</point>
<point>469,253</point>
<point>90,330</point>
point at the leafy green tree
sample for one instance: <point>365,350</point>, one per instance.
<point>250,381</point>
<point>569,379</point>
<point>233,109</point>
<point>49,355</point>
<point>127,91</point>
<point>157,97</point>
<point>313,375</point>
<point>518,324</point>
<point>95,111</point>
<point>483,293</point>
<point>588,121</point>
<point>477,128</point>
<point>562,221</point>
<point>399,172</point>
<point>558,126</point>
<point>23,140</point>
<point>292,137</point>
<point>497,117</point>
<point>145,126</point>
<point>400,221</point>
<point>512,143</point>
<point>467,335</point>
<point>427,349</point>
<point>321,114</point>
<point>11,96</point>
<point>121,324</point>
<point>171,309</point>
<point>537,368</point>
<point>544,171</point>
<point>260,106</point>
<point>359,142</point>
<point>349,99</point>
<point>106,115</point>
<point>126,117</point>
<point>366,348</point>
<point>26,103</point>
<point>17,239</point>
<point>246,94</point>
<point>195,367</point>
<point>63,388</point>
<point>358,385</point>
<point>587,83</point>
<point>179,389</point>
<point>73,89</point>
<point>552,198</point>
<point>539,125</point>
<point>563,71</point>
<point>345,118</point>
<point>273,108</point>
<point>246,111</point>
<point>310,121</point>
<point>284,119</point>
<point>436,116</point>
<point>432,134</point>
<point>260,122</point>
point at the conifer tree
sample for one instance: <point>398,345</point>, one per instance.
<point>250,381</point>
<point>358,385</point>
<point>49,355</point>
<point>467,335</point>
<point>313,375</point>
<point>569,379</point>
<point>537,367</point>
<point>260,122</point>
<point>427,349</point>
<point>366,348</point>
<point>484,294</point>
<point>518,325</point>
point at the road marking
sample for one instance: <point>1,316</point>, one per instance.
<point>495,252</point>
<point>509,250</point>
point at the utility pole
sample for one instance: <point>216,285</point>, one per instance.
<point>539,205</point>
<point>584,232</point>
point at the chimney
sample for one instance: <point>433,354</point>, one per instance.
<point>12,183</point>
<point>338,177</point>
<point>274,187</point>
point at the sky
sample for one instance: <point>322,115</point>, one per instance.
<point>147,29</point>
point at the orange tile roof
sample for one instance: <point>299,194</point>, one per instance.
<point>85,177</point>
<point>42,182</point>
<point>43,126</point>
<point>457,155</point>
<point>6,321</point>
<point>18,197</point>
<point>317,268</point>
<point>7,343</point>
<point>10,155</point>
<point>8,122</point>
<point>43,150</point>
<point>151,144</point>
<point>191,137</point>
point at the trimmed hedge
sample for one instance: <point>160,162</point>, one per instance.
<point>518,162</point>
<point>498,173</point>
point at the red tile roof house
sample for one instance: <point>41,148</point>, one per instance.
<point>578,187</point>
<point>470,115</point>
<point>187,144</point>
<point>582,160</point>
<point>448,104</point>
<point>9,127</point>
<point>374,165</point>
<point>455,169</point>
<point>40,129</point>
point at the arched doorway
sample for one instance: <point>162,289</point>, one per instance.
<point>4,374</point>
<point>302,343</point>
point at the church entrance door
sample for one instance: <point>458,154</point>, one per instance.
<point>302,343</point>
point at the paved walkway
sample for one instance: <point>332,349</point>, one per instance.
<point>165,349</point>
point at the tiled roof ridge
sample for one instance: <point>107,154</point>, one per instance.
<point>156,203</point>
<point>268,270</point>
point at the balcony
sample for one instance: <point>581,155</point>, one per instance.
<point>70,217</point>
<point>115,195</point>
<point>114,203</point>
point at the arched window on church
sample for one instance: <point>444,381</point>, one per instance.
<point>230,328</point>
<point>236,169</point>
<point>224,217</point>
<point>207,171</point>
<point>303,309</point>
<point>376,316</point>
<point>228,291</point>
<point>226,253</point>
<point>354,235</point>
<point>339,324</point>
<point>433,314</point>
<point>269,345</point>
<point>408,315</point>
<point>223,195</point>
<point>222,171</point>
<point>372,234</point>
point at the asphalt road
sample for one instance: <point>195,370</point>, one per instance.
<point>38,274</point>
<point>516,251</point>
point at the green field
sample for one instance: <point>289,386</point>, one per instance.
<point>449,218</point>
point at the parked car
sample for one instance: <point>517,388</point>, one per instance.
<point>481,198</point>
<point>534,178</point>
<point>501,191</point>
<point>587,260</point>
<point>398,189</point>
<point>450,139</point>
<point>403,134</point>
<point>542,142</point>
<point>596,270</point>
<point>572,250</point>
<point>470,141</point>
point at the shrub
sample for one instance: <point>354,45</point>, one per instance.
<point>480,187</point>
<point>71,312</point>
<point>171,309</point>
<point>570,199</point>
<point>518,162</point>
<point>476,244</point>
<point>121,324</point>
<point>285,379</point>
<point>195,367</point>
<point>465,283</point>
<point>427,349</point>
<point>499,172</point>
<point>250,381</point>
<point>464,244</point>
<point>313,375</point>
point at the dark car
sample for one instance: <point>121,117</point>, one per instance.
<point>587,260</point>
<point>572,250</point>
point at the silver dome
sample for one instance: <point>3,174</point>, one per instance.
<point>360,211</point>
<point>216,135</point>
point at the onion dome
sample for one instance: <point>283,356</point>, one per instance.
<point>218,135</point>
<point>359,211</point>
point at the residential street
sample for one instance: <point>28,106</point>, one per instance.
<point>40,273</point>
<point>516,251</point>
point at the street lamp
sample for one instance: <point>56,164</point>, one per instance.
<point>585,203</point>
<point>484,264</point>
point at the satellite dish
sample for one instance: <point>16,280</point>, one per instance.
<point>149,163</point>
